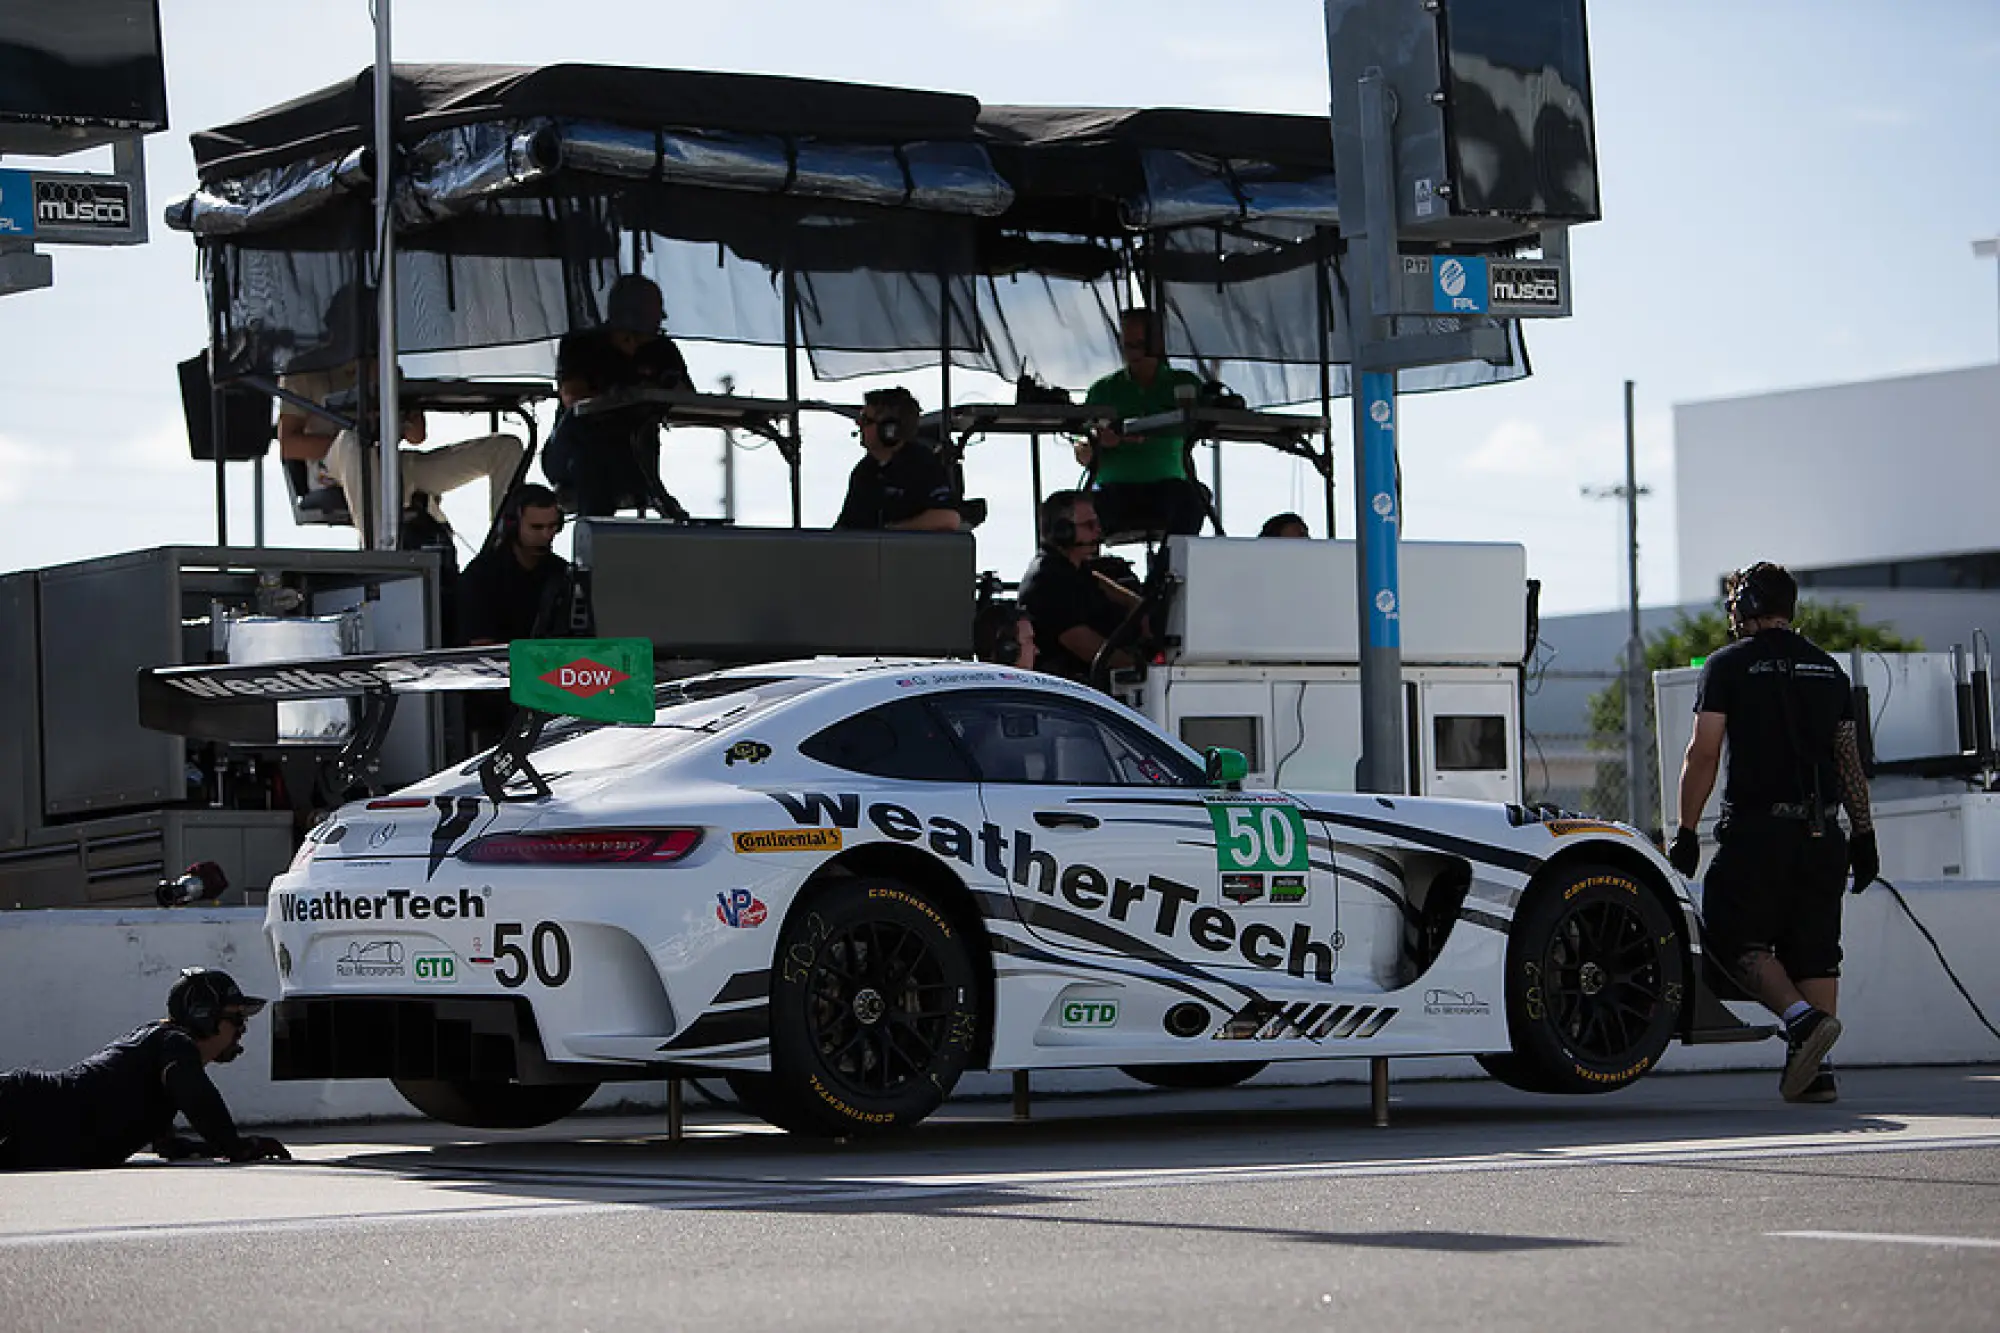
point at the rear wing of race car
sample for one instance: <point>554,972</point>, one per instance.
<point>604,680</point>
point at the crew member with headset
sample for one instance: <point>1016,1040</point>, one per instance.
<point>899,485</point>
<point>518,587</point>
<point>1073,605</point>
<point>1772,897</point>
<point>99,1112</point>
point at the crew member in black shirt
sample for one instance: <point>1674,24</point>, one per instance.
<point>1771,899</point>
<point>1073,605</point>
<point>99,1112</point>
<point>613,458</point>
<point>517,588</point>
<point>900,486</point>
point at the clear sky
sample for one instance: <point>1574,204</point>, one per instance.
<point>1790,191</point>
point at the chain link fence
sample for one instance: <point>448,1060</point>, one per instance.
<point>1590,771</point>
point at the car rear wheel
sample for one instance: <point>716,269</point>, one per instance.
<point>874,1011</point>
<point>1226,1074</point>
<point>1595,983</point>
<point>493,1105</point>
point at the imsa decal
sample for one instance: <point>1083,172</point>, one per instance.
<point>1161,905</point>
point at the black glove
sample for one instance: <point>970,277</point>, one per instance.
<point>1863,859</point>
<point>179,1147</point>
<point>256,1148</point>
<point>1685,852</point>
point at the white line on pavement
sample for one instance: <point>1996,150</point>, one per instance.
<point>1890,1238</point>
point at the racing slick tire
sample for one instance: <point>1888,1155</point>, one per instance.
<point>875,1001</point>
<point>1595,983</point>
<point>491,1104</point>
<point>1226,1074</point>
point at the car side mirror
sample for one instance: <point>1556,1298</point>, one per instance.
<point>1226,767</point>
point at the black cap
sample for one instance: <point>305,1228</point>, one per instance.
<point>204,994</point>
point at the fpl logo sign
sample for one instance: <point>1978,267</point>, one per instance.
<point>584,678</point>
<point>1459,285</point>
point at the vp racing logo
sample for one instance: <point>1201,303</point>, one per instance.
<point>740,909</point>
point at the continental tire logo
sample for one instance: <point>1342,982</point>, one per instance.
<point>787,840</point>
<point>852,1112</point>
<point>897,895</point>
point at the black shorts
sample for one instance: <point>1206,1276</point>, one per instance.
<point>1774,886</point>
<point>1169,506</point>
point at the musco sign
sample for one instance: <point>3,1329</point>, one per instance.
<point>1157,905</point>
<point>82,205</point>
<point>1538,285</point>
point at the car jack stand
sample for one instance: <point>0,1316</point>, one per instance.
<point>1020,1094</point>
<point>1378,1090</point>
<point>674,1109</point>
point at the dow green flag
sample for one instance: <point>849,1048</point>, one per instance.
<point>604,680</point>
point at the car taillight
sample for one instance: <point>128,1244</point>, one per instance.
<point>602,846</point>
<point>400,803</point>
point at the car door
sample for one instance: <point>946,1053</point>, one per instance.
<point>1109,841</point>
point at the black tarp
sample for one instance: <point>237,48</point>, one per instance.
<point>426,98</point>
<point>1075,169</point>
<point>1226,220</point>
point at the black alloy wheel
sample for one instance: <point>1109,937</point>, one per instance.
<point>874,1010</point>
<point>1595,983</point>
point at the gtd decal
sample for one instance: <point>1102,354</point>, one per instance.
<point>1090,1013</point>
<point>436,968</point>
<point>1168,907</point>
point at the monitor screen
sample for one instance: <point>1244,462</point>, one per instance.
<point>90,63</point>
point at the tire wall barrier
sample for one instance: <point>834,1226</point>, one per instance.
<point>75,980</point>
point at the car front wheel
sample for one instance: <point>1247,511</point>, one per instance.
<point>1595,983</point>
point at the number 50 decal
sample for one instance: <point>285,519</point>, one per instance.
<point>547,954</point>
<point>1258,835</point>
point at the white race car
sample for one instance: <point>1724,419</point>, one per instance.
<point>840,884</point>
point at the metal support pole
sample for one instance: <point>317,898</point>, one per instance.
<point>944,359</point>
<point>221,476</point>
<point>257,501</point>
<point>1020,1094</point>
<point>389,420</point>
<point>1323,299</point>
<point>675,1111</point>
<point>791,295</point>
<point>1636,769</point>
<point>1035,480</point>
<point>1377,501</point>
<point>1378,1091</point>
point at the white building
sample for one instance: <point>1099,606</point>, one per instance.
<point>1884,495</point>
<point>1895,483</point>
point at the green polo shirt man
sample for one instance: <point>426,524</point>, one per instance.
<point>1143,388</point>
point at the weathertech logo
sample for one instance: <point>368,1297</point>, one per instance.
<point>788,840</point>
<point>585,678</point>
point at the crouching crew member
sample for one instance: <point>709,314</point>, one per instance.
<point>101,1111</point>
<point>1772,896</point>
